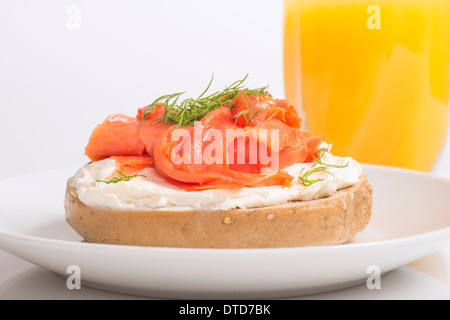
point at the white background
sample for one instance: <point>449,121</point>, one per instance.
<point>56,83</point>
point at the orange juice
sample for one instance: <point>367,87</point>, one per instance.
<point>372,77</point>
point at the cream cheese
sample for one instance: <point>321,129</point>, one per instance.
<point>152,192</point>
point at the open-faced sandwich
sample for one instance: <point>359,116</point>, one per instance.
<point>229,169</point>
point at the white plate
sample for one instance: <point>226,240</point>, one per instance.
<point>411,218</point>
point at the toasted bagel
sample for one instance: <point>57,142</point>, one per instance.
<point>327,221</point>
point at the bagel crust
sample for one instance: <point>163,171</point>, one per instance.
<point>328,221</point>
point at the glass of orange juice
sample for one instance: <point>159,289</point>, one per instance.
<point>371,76</point>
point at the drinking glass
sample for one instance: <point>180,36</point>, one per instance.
<point>371,76</point>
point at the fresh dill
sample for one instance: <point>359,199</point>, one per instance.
<point>318,160</point>
<point>163,100</point>
<point>304,177</point>
<point>123,178</point>
<point>190,110</point>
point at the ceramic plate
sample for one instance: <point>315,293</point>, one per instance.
<point>411,219</point>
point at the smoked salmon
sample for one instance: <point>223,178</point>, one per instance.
<point>118,135</point>
<point>245,142</point>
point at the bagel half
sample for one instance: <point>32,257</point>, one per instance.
<point>328,221</point>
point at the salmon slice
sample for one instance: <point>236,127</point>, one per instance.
<point>273,133</point>
<point>255,109</point>
<point>133,164</point>
<point>130,165</point>
<point>178,153</point>
<point>151,128</point>
<point>246,179</point>
<point>118,135</point>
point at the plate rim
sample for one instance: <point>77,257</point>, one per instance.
<point>443,233</point>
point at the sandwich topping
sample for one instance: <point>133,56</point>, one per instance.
<point>235,148</point>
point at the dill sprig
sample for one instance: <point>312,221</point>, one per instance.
<point>163,100</point>
<point>123,178</point>
<point>304,177</point>
<point>318,160</point>
<point>190,110</point>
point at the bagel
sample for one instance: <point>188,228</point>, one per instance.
<point>327,221</point>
